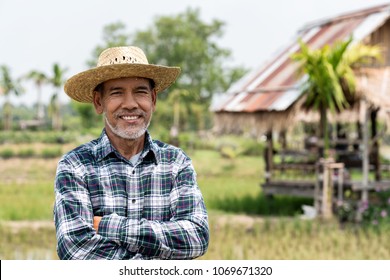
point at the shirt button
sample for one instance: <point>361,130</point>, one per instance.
<point>133,201</point>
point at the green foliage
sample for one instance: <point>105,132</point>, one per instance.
<point>262,205</point>
<point>39,78</point>
<point>49,137</point>
<point>228,151</point>
<point>374,212</point>
<point>323,87</point>
<point>86,112</point>
<point>56,80</point>
<point>51,152</point>
<point>114,35</point>
<point>232,237</point>
<point>236,237</point>
<point>6,153</point>
<point>330,77</point>
<point>26,153</point>
<point>238,145</point>
<point>186,41</point>
<point>34,241</point>
<point>8,86</point>
<point>34,199</point>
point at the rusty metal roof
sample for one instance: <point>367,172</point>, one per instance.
<point>276,85</point>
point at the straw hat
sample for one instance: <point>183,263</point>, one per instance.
<point>119,62</point>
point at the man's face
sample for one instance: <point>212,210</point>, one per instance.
<point>128,105</point>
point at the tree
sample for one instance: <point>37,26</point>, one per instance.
<point>186,41</point>
<point>57,80</point>
<point>114,35</point>
<point>330,80</point>
<point>86,112</point>
<point>8,86</point>
<point>39,79</point>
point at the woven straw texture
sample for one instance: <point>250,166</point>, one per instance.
<point>119,62</point>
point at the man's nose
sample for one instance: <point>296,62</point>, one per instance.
<point>129,101</point>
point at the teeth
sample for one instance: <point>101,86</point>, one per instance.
<point>130,118</point>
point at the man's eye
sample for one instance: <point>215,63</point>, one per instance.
<point>115,93</point>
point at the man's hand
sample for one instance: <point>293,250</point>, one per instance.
<point>96,221</point>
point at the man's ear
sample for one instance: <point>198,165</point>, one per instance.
<point>98,102</point>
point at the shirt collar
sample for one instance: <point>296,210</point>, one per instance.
<point>104,147</point>
<point>151,148</point>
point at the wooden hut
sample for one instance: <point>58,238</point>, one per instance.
<point>268,100</point>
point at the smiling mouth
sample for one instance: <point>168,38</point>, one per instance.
<point>130,118</point>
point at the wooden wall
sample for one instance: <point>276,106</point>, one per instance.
<point>382,37</point>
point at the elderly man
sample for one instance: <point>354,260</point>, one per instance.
<point>125,195</point>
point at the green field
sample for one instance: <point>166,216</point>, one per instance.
<point>243,224</point>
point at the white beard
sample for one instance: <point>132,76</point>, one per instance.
<point>125,134</point>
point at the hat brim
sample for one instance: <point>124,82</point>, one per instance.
<point>80,87</point>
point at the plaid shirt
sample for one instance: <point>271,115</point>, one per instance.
<point>152,210</point>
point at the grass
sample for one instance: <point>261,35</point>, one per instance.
<point>235,237</point>
<point>233,185</point>
<point>27,241</point>
<point>221,178</point>
<point>243,223</point>
<point>242,237</point>
<point>26,202</point>
<point>26,189</point>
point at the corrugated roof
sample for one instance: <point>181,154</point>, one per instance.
<point>276,85</point>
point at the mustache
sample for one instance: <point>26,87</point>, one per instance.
<point>129,112</point>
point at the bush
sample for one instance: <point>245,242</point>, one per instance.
<point>372,213</point>
<point>25,153</point>
<point>7,153</point>
<point>51,152</point>
<point>26,137</point>
<point>229,151</point>
<point>252,148</point>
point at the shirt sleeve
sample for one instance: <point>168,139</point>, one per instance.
<point>184,236</point>
<point>73,216</point>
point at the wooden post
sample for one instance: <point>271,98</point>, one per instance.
<point>365,155</point>
<point>340,181</point>
<point>327,189</point>
<point>319,174</point>
<point>323,189</point>
<point>283,139</point>
<point>325,192</point>
<point>359,136</point>
<point>317,203</point>
<point>268,156</point>
<point>375,145</point>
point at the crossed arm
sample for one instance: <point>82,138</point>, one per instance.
<point>81,235</point>
<point>96,222</point>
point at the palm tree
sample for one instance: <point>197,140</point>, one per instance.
<point>174,99</point>
<point>8,86</point>
<point>330,80</point>
<point>39,79</point>
<point>57,81</point>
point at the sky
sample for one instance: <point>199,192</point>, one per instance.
<point>35,34</point>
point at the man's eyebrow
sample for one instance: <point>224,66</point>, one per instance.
<point>115,88</point>
<point>143,87</point>
<point>136,88</point>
